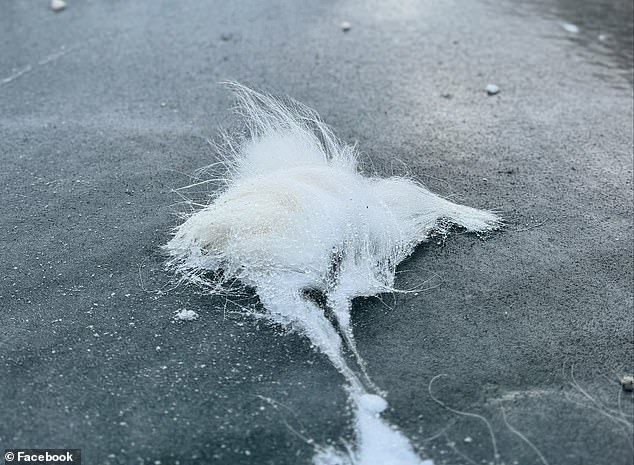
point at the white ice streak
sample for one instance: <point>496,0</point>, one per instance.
<point>297,215</point>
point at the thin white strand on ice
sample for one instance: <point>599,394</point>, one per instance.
<point>295,215</point>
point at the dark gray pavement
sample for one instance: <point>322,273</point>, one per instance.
<point>105,107</point>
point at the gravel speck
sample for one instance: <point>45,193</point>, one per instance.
<point>58,5</point>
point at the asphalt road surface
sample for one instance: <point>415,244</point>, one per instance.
<point>106,107</point>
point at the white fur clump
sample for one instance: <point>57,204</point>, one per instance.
<point>296,206</point>
<point>296,214</point>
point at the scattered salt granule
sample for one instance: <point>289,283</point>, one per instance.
<point>296,215</point>
<point>186,315</point>
<point>568,27</point>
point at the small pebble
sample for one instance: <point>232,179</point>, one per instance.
<point>627,383</point>
<point>492,89</point>
<point>58,5</point>
<point>468,439</point>
<point>570,28</point>
<point>345,26</point>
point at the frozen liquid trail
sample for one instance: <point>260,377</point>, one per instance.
<point>377,442</point>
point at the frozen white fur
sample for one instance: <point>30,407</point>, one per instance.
<point>296,214</point>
